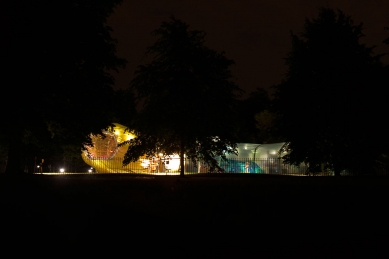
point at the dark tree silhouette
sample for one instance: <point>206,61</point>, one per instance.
<point>386,41</point>
<point>57,56</point>
<point>267,128</point>
<point>327,102</point>
<point>256,102</point>
<point>189,101</point>
<point>382,164</point>
<point>124,107</point>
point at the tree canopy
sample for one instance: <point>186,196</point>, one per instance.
<point>188,98</point>
<point>332,91</point>
<point>256,102</point>
<point>57,56</point>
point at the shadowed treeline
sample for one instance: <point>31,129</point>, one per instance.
<point>56,58</point>
<point>329,108</point>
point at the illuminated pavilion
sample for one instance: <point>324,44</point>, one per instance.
<point>106,156</point>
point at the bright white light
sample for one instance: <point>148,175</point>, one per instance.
<point>90,171</point>
<point>145,163</point>
<point>62,170</point>
<point>174,162</point>
<point>129,137</point>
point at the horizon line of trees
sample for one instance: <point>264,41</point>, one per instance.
<point>330,108</point>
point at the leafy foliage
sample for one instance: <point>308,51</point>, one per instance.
<point>124,108</point>
<point>386,41</point>
<point>188,98</point>
<point>256,102</point>
<point>267,127</point>
<point>329,96</point>
<point>57,56</point>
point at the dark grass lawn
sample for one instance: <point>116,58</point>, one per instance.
<point>209,216</point>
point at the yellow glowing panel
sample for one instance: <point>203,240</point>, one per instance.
<point>107,157</point>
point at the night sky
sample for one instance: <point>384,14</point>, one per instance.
<point>254,33</point>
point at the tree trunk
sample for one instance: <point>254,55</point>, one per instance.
<point>14,155</point>
<point>337,170</point>
<point>182,168</point>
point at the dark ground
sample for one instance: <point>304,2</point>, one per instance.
<point>216,216</point>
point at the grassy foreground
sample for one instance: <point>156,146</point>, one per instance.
<point>198,216</point>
